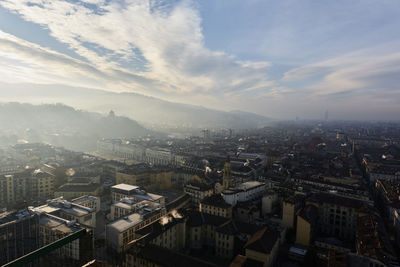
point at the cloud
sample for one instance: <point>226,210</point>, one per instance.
<point>165,39</point>
<point>27,62</point>
<point>372,69</point>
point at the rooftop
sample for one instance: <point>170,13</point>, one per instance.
<point>216,201</point>
<point>126,222</point>
<point>263,241</point>
<point>125,187</point>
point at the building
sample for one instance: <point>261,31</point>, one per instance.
<point>42,184</point>
<point>216,205</point>
<point>247,212</point>
<point>143,175</point>
<point>290,206</point>
<point>198,191</point>
<point>227,177</point>
<point>26,185</point>
<point>53,228</point>
<point>168,232</point>
<point>307,219</point>
<point>121,191</point>
<point>262,248</point>
<point>13,189</point>
<point>129,205</point>
<point>268,201</point>
<point>91,202</point>
<point>121,233</point>
<point>75,190</point>
<point>156,256</point>
<point>244,192</point>
<point>67,210</point>
<point>338,214</point>
<point>19,234</point>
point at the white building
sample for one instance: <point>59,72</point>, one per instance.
<point>267,202</point>
<point>69,211</point>
<point>120,233</point>
<point>244,192</point>
<point>121,191</point>
<point>129,205</point>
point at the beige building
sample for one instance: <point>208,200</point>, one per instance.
<point>198,191</point>
<point>227,176</point>
<point>43,184</point>
<point>216,205</point>
<point>262,248</point>
<point>70,191</point>
<point>306,225</point>
<point>26,185</point>
<point>88,201</point>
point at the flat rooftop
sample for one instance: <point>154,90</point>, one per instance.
<point>126,222</point>
<point>125,187</point>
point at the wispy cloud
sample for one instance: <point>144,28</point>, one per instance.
<point>375,68</point>
<point>167,39</point>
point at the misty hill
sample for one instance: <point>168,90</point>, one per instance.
<point>141,108</point>
<point>63,125</point>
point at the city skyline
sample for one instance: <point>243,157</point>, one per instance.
<point>279,59</point>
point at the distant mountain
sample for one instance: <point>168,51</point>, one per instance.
<point>141,108</point>
<point>62,125</point>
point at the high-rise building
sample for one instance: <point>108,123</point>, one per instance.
<point>19,234</point>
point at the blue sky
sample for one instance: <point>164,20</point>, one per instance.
<point>277,58</point>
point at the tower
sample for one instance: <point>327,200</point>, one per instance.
<point>227,177</point>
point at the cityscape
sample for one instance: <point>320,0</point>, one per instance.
<point>291,194</point>
<point>196,133</point>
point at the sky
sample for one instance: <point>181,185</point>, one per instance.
<point>282,59</point>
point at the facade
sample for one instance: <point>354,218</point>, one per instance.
<point>168,232</point>
<point>155,156</point>
<point>121,233</point>
<point>216,205</point>
<point>267,202</point>
<point>19,234</point>
<point>227,177</point>
<point>26,185</point>
<point>198,191</point>
<point>70,191</point>
<point>143,175</point>
<point>244,192</point>
<point>262,248</point>
<point>42,184</point>
<point>306,225</point>
<point>91,202</point>
<point>53,228</point>
<point>337,214</point>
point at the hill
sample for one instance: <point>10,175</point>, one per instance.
<point>62,125</point>
<point>144,109</point>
